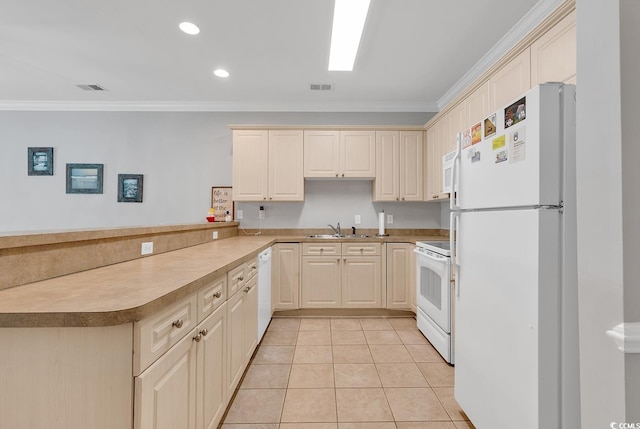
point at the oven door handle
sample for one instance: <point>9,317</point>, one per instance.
<point>433,258</point>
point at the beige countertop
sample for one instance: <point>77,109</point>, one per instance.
<point>129,291</point>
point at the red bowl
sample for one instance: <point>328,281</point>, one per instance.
<point>211,218</point>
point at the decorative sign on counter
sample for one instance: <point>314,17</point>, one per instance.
<point>222,202</point>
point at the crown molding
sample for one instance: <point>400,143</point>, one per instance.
<point>519,31</point>
<point>626,336</point>
<point>171,106</point>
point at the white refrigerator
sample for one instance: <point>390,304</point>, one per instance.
<point>513,220</point>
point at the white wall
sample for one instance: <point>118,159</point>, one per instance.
<point>180,154</point>
<point>599,200</point>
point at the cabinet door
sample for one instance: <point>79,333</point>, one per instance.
<point>410,174</point>
<point>286,180</point>
<point>235,340</point>
<point>435,151</point>
<point>321,153</point>
<point>285,277</point>
<point>321,282</point>
<point>477,105</point>
<point>250,318</point>
<point>553,55</point>
<point>361,283</point>
<point>165,395</point>
<point>511,81</point>
<point>401,276</point>
<point>386,186</point>
<point>250,165</point>
<point>357,154</point>
<point>212,359</point>
<point>455,122</point>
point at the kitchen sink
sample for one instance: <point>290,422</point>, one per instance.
<point>334,236</point>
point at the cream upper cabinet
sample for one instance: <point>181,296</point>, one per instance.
<point>511,81</point>
<point>321,153</point>
<point>435,149</point>
<point>478,105</point>
<point>267,165</point>
<point>357,154</point>
<point>347,153</point>
<point>386,186</point>
<point>411,165</point>
<point>553,55</point>
<point>250,165</point>
<point>286,179</point>
<point>285,276</point>
<point>399,158</point>
<point>455,122</point>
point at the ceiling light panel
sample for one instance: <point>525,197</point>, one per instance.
<point>221,73</point>
<point>349,17</point>
<point>189,28</point>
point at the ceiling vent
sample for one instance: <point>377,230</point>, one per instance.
<point>92,87</point>
<point>320,86</point>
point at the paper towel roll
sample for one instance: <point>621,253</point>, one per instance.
<point>381,223</point>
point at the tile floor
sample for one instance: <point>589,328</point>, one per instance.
<point>346,373</point>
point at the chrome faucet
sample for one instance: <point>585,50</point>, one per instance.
<point>336,230</point>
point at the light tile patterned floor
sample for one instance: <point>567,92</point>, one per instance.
<point>346,373</point>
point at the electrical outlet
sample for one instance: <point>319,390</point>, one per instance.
<point>358,220</point>
<point>239,214</point>
<point>147,248</point>
<point>389,219</point>
<point>215,235</point>
<point>261,213</point>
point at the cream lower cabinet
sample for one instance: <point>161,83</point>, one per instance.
<point>346,275</point>
<point>242,331</point>
<point>285,277</point>
<point>185,387</point>
<point>401,277</point>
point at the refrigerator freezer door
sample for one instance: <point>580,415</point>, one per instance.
<point>507,318</point>
<point>519,165</point>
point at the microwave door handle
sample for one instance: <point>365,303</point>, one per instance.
<point>453,199</point>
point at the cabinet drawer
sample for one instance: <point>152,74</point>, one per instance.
<point>324,249</point>
<point>252,268</point>
<point>359,249</point>
<point>211,297</point>
<point>236,279</point>
<point>156,334</point>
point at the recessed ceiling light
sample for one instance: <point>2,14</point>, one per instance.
<point>221,73</point>
<point>189,28</point>
<point>349,17</point>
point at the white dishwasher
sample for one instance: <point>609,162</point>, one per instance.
<point>264,291</point>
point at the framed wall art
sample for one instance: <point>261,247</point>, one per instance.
<point>222,201</point>
<point>130,187</point>
<point>40,161</point>
<point>84,178</point>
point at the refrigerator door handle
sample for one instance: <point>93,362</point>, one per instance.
<point>453,199</point>
<point>453,245</point>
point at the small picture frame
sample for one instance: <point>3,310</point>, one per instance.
<point>222,201</point>
<point>130,187</point>
<point>40,161</point>
<point>84,178</point>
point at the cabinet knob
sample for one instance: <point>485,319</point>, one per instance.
<point>218,294</point>
<point>178,323</point>
<point>240,278</point>
<point>338,260</point>
<point>197,338</point>
<point>336,174</point>
<point>270,198</point>
<point>204,332</point>
<point>254,266</point>
<point>361,250</point>
<point>342,174</point>
<point>402,198</point>
<point>264,198</point>
<point>321,250</point>
<point>397,198</point>
<point>344,260</point>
